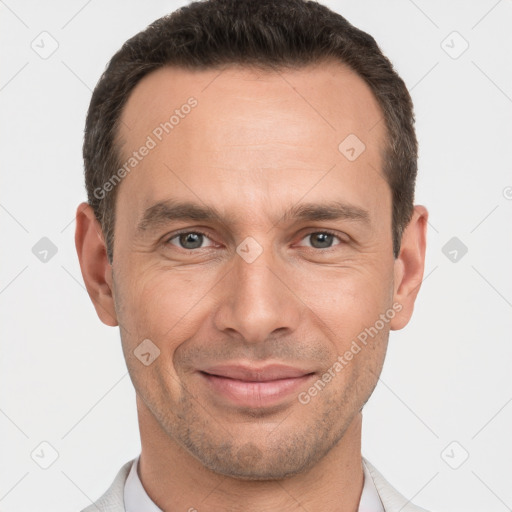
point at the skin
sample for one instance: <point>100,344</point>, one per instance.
<point>256,144</point>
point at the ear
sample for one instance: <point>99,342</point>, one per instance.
<point>409,267</point>
<point>96,270</point>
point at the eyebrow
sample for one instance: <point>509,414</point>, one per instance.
<point>163,212</point>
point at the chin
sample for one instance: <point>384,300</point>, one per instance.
<point>252,463</point>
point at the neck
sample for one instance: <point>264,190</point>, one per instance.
<point>175,480</point>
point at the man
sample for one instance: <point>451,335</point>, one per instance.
<point>250,169</point>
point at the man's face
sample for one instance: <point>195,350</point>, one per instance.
<point>254,289</point>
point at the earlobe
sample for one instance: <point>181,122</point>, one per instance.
<point>96,270</point>
<point>409,266</point>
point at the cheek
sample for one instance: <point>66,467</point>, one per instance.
<point>158,316</point>
<point>162,305</point>
<point>346,300</point>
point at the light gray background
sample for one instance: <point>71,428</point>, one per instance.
<point>447,376</point>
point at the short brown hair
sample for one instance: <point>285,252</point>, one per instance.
<point>265,33</point>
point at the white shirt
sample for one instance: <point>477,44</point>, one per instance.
<point>136,498</point>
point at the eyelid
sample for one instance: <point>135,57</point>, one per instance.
<point>336,234</point>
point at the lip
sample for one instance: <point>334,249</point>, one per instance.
<point>250,373</point>
<point>255,387</point>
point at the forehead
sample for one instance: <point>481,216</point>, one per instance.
<point>253,132</point>
<point>327,96</point>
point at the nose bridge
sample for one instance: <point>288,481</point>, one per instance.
<point>256,302</point>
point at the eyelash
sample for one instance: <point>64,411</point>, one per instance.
<point>197,232</point>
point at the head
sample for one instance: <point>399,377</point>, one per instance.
<point>250,169</point>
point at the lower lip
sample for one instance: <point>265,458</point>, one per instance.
<point>255,394</point>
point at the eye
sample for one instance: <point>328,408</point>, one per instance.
<point>188,240</point>
<point>322,239</point>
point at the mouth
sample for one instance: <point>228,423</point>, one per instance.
<point>253,387</point>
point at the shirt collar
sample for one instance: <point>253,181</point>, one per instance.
<point>135,496</point>
<point>137,499</point>
<point>370,500</point>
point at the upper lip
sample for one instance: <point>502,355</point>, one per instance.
<point>256,374</point>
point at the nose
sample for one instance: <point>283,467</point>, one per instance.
<point>257,300</point>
